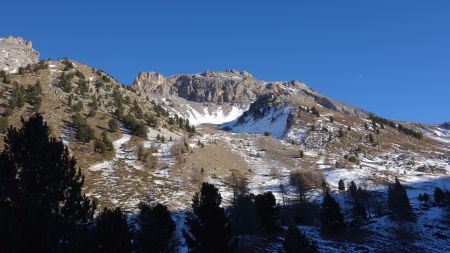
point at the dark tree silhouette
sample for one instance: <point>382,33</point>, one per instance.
<point>297,242</point>
<point>111,233</point>
<point>352,188</point>
<point>398,202</point>
<point>267,210</point>
<point>331,217</point>
<point>208,230</point>
<point>155,228</point>
<point>439,195</point>
<point>41,205</point>
<point>242,215</point>
<point>341,185</point>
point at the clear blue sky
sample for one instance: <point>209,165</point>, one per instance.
<point>388,57</point>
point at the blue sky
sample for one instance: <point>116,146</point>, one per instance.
<point>388,57</point>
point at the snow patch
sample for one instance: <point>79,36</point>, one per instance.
<point>275,122</point>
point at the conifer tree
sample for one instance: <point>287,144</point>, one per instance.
<point>352,188</point>
<point>341,185</point>
<point>155,228</point>
<point>398,201</point>
<point>113,125</point>
<point>111,232</point>
<point>331,217</point>
<point>439,195</point>
<point>267,210</point>
<point>297,242</point>
<point>208,230</point>
<point>41,205</point>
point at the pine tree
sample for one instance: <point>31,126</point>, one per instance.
<point>331,217</point>
<point>111,233</point>
<point>41,205</point>
<point>359,213</point>
<point>352,189</point>
<point>242,213</point>
<point>439,195</point>
<point>208,230</point>
<point>398,202</point>
<point>341,185</point>
<point>113,125</point>
<point>155,228</point>
<point>267,210</point>
<point>297,242</point>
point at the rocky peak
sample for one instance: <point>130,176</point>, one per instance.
<point>15,53</point>
<point>151,82</point>
<point>209,86</point>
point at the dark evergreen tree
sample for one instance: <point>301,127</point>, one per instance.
<point>439,195</point>
<point>331,217</point>
<point>341,185</point>
<point>41,205</point>
<point>155,228</point>
<point>242,214</point>
<point>209,230</point>
<point>352,189</point>
<point>398,202</point>
<point>113,125</point>
<point>359,213</point>
<point>267,210</point>
<point>111,233</point>
<point>297,242</point>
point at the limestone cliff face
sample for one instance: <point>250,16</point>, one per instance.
<point>230,86</point>
<point>217,87</point>
<point>15,53</point>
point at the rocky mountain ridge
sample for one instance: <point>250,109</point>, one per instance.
<point>16,53</point>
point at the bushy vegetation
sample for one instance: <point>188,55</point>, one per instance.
<point>113,125</point>
<point>137,127</point>
<point>401,128</point>
<point>84,132</point>
<point>65,81</point>
<point>104,144</point>
<point>3,124</point>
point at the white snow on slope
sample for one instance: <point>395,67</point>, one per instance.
<point>438,133</point>
<point>216,117</point>
<point>274,122</point>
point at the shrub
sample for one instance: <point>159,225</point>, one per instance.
<point>113,125</point>
<point>84,132</point>
<point>78,107</point>
<point>4,124</point>
<point>136,126</point>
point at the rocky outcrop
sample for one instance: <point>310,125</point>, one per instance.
<point>15,53</point>
<point>230,86</point>
<point>224,86</point>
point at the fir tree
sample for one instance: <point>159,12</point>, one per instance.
<point>352,189</point>
<point>439,195</point>
<point>111,233</point>
<point>113,125</point>
<point>359,213</point>
<point>242,214</point>
<point>41,205</point>
<point>398,201</point>
<point>341,185</point>
<point>208,230</point>
<point>155,228</point>
<point>297,242</point>
<point>267,210</point>
<point>331,217</point>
